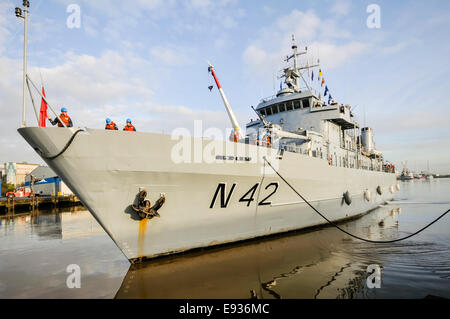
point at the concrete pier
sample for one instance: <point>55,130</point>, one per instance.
<point>30,203</point>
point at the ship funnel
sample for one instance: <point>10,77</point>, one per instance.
<point>367,139</point>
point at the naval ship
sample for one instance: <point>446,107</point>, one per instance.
<point>159,194</point>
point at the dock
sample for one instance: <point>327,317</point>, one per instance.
<point>34,202</point>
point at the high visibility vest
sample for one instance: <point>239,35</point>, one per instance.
<point>111,126</point>
<point>235,137</point>
<point>65,119</point>
<point>129,127</point>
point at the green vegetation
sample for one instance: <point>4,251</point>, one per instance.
<point>7,188</point>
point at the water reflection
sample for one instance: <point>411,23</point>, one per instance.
<point>36,248</point>
<point>314,264</point>
<point>44,224</point>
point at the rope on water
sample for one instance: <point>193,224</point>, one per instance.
<point>343,230</point>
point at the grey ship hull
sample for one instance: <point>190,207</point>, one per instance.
<point>207,204</point>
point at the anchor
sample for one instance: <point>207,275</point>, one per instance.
<point>145,209</point>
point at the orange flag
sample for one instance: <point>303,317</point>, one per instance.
<point>323,82</point>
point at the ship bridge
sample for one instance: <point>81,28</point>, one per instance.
<point>284,103</point>
<point>338,114</point>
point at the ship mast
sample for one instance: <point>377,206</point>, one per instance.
<point>23,14</point>
<point>231,115</point>
<point>292,75</point>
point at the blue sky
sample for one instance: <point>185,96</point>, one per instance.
<point>148,60</point>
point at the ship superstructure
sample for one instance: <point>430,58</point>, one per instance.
<point>326,131</point>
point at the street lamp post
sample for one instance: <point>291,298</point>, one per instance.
<point>23,14</point>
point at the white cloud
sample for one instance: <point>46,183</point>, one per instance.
<point>170,56</point>
<point>152,4</point>
<point>7,19</point>
<point>200,4</point>
<point>341,7</point>
<point>268,10</point>
<point>223,13</point>
<point>91,80</point>
<point>334,55</point>
<point>303,24</point>
<point>398,47</point>
<point>90,25</point>
<point>273,43</point>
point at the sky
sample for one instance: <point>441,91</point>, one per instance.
<point>147,60</point>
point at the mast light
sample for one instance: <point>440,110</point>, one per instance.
<point>18,12</point>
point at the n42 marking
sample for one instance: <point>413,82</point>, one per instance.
<point>248,197</point>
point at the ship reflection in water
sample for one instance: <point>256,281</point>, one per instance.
<point>36,248</point>
<point>314,264</point>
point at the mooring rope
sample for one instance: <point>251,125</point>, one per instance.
<point>343,230</point>
<point>64,148</point>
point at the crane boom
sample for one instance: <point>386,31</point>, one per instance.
<point>231,115</point>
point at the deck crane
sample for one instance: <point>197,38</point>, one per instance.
<point>236,135</point>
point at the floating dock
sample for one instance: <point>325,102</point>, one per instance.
<point>30,203</point>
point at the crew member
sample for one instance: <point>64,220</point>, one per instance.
<point>236,135</point>
<point>267,138</point>
<point>63,118</point>
<point>110,125</point>
<point>129,126</point>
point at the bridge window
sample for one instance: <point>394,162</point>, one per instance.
<point>289,106</point>
<point>282,107</point>
<point>268,111</point>
<point>263,112</point>
<point>297,104</point>
<point>305,103</point>
<point>275,109</point>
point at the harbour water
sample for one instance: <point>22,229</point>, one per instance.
<point>36,249</point>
